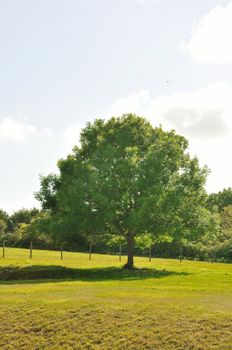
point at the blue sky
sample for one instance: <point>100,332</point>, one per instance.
<point>63,63</point>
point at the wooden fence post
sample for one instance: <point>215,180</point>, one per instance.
<point>3,249</point>
<point>212,258</point>
<point>90,250</point>
<point>61,252</point>
<point>120,252</point>
<point>181,254</point>
<point>150,253</point>
<point>31,247</point>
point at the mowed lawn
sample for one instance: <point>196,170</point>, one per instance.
<point>81,304</point>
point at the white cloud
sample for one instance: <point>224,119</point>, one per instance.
<point>15,130</point>
<point>204,117</point>
<point>136,102</point>
<point>46,132</point>
<point>71,137</point>
<point>18,130</point>
<point>205,113</point>
<point>210,40</point>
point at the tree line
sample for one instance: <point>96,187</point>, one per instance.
<point>127,185</point>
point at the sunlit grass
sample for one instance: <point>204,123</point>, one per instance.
<point>82,304</point>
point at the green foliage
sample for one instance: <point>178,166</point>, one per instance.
<point>3,215</point>
<point>26,225</point>
<point>115,241</point>
<point>223,240</point>
<point>47,193</point>
<point>4,222</point>
<point>3,227</point>
<point>226,221</point>
<point>22,216</point>
<point>220,199</point>
<point>36,231</point>
<point>217,242</point>
<point>144,241</point>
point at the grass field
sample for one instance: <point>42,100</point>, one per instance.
<point>47,303</point>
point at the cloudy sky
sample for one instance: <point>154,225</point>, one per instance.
<point>66,62</point>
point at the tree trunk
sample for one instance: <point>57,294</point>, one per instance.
<point>130,252</point>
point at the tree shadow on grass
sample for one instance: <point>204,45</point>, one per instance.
<point>54,273</point>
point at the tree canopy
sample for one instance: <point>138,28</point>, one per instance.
<point>127,178</point>
<point>220,199</point>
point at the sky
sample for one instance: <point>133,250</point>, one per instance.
<point>66,62</point>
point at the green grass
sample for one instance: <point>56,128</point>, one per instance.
<point>47,303</point>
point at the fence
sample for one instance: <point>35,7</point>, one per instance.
<point>90,252</point>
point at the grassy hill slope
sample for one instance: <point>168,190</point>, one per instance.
<point>47,303</point>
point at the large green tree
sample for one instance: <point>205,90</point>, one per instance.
<point>127,178</point>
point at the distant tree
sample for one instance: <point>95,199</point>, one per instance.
<point>37,230</point>
<point>4,222</point>
<point>3,215</point>
<point>22,216</point>
<point>220,199</point>
<point>225,236</point>
<point>219,243</point>
<point>127,178</point>
<point>115,241</point>
<point>226,221</point>
<point>3,227</point>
